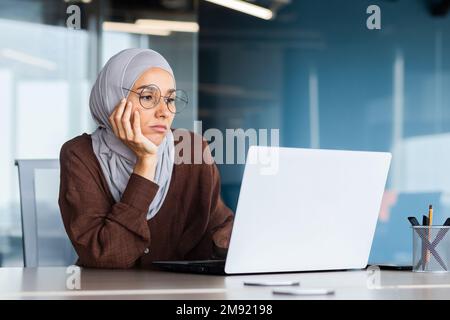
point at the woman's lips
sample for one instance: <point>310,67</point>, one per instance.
<point>159,128</point>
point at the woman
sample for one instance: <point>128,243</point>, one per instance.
<point>125,199</point>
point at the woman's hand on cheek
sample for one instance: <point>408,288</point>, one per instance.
<point>129,132</point>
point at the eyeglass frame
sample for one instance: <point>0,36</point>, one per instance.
<point>160,96</point>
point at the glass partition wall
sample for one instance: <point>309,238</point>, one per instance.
<point>326,80</point>
<point>50,54</point>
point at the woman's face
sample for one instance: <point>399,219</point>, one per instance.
<point>155,122</point>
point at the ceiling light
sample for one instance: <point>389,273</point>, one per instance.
<point>133,28</point>
<point>175,26</point>
<point>245,7</point>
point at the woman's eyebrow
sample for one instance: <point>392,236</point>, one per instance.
<point>169,91</point>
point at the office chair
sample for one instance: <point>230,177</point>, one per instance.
<point>45,241</point>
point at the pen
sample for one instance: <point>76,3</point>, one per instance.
<point>271,283</point>
<point>424,220</point>
<point>414,221</point>
<point>304,292</point>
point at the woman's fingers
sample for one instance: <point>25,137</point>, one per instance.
<point>222,236</point>
<point>118,119</point>
<point>113,124</point>
<point>126,121</point>
<point>128,129</point>
<point>137,124</point>
<point>147,146</point>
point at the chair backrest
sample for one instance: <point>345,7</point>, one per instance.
<point>45,241</point>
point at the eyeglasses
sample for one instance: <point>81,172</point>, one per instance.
<point>149,97</point>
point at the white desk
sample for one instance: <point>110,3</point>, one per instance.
<point>50,283</point>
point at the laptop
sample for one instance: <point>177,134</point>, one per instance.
<point>301,210</point>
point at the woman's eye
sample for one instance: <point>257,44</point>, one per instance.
<point>147,98</point>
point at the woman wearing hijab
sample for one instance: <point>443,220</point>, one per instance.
<point>124,199</point>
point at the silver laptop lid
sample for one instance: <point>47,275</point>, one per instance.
<point>306,209</point>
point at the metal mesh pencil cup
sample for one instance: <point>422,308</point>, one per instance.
<point>431,249</point>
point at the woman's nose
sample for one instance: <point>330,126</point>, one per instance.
<point>162,110</point>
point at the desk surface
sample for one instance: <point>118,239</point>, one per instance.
<point>50,283</point>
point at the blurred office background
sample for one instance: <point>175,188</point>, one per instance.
<point>314,71</point>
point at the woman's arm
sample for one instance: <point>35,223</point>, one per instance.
<point>104,235</point>
<point>222,222</point>
<point>216,238</point>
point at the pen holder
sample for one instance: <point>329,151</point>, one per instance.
<point>431,248</point>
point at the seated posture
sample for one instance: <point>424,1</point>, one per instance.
<point>129,195</point>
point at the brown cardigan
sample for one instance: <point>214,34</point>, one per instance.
<point>106,234</point>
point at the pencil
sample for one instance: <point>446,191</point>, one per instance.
<point>430,215</point>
